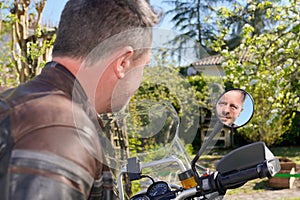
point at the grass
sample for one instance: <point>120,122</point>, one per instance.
<point>257,185</point>
<point>293,153</point>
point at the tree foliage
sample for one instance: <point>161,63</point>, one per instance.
<point>166,84</point>
<point>28,44</point>
<point>194,19</point>
<point>259,17</point>
<point>267,65</point>
<point>7,72</point>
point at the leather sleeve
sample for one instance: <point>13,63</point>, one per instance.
<point>6,145</point>
<point>36,175</point>
<point>49,165</point>
<point>105,187</point>
<point>57,153</point>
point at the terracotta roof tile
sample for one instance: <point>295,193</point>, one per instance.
<point>211,60</point>
<point>217,59</point>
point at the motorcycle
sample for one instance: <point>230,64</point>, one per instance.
<point>186,177</point>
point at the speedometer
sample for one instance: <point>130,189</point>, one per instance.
<point>140,197</point>
<point>158,188</point>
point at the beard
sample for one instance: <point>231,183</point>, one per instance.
<point>118,104</point>
<point>125,89</point>
<point>121,95</point>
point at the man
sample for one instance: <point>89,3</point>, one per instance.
<point>99,54</point>
<point>230,106</point>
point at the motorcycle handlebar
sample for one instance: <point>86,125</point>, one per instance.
<point>217,182</point>
<point>234,180</point>
<point>222,182</point>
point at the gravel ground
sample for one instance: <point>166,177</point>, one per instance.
<point>283,194</point>
<point>273,194</point>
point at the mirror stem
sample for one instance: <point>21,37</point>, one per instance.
<point>212,134</point>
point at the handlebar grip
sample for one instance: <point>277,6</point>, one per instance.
<point>237,179</point>
<point>217,182</point>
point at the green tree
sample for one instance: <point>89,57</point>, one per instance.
<point>267,65</point>
<point>255,13</point>
<point>166,84</point>
<point>7,74</point>
<point>197,19</point>
<point>29,43</point>
<point>194,19</point>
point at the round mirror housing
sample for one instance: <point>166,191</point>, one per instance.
<point>235,108</point>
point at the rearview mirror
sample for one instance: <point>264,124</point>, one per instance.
<point>235,108</point>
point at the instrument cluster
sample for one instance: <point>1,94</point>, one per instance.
<point>158,190</point>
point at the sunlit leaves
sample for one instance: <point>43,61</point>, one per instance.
<point>28,44</point>
<point>267,65</point>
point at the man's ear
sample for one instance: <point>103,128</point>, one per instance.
<point>123,61</point>
<point>242,109</point>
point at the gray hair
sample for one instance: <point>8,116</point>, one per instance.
<point>85,24</point>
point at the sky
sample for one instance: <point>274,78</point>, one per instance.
<point>52,11</point>
<point>54,8</point>
<point>165,31</point>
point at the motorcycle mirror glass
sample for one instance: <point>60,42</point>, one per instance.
<point>235,108</point>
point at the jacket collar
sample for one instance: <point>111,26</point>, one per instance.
<point>60,77</point>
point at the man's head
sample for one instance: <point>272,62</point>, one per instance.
<point>105,44</point>
<point>230,105</point>
<point>84,24</point>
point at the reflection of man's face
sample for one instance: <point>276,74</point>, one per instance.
<point>230,106</point>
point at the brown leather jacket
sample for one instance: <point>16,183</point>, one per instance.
<point>56,150</point>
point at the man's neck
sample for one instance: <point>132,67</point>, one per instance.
<point>72,65</point>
